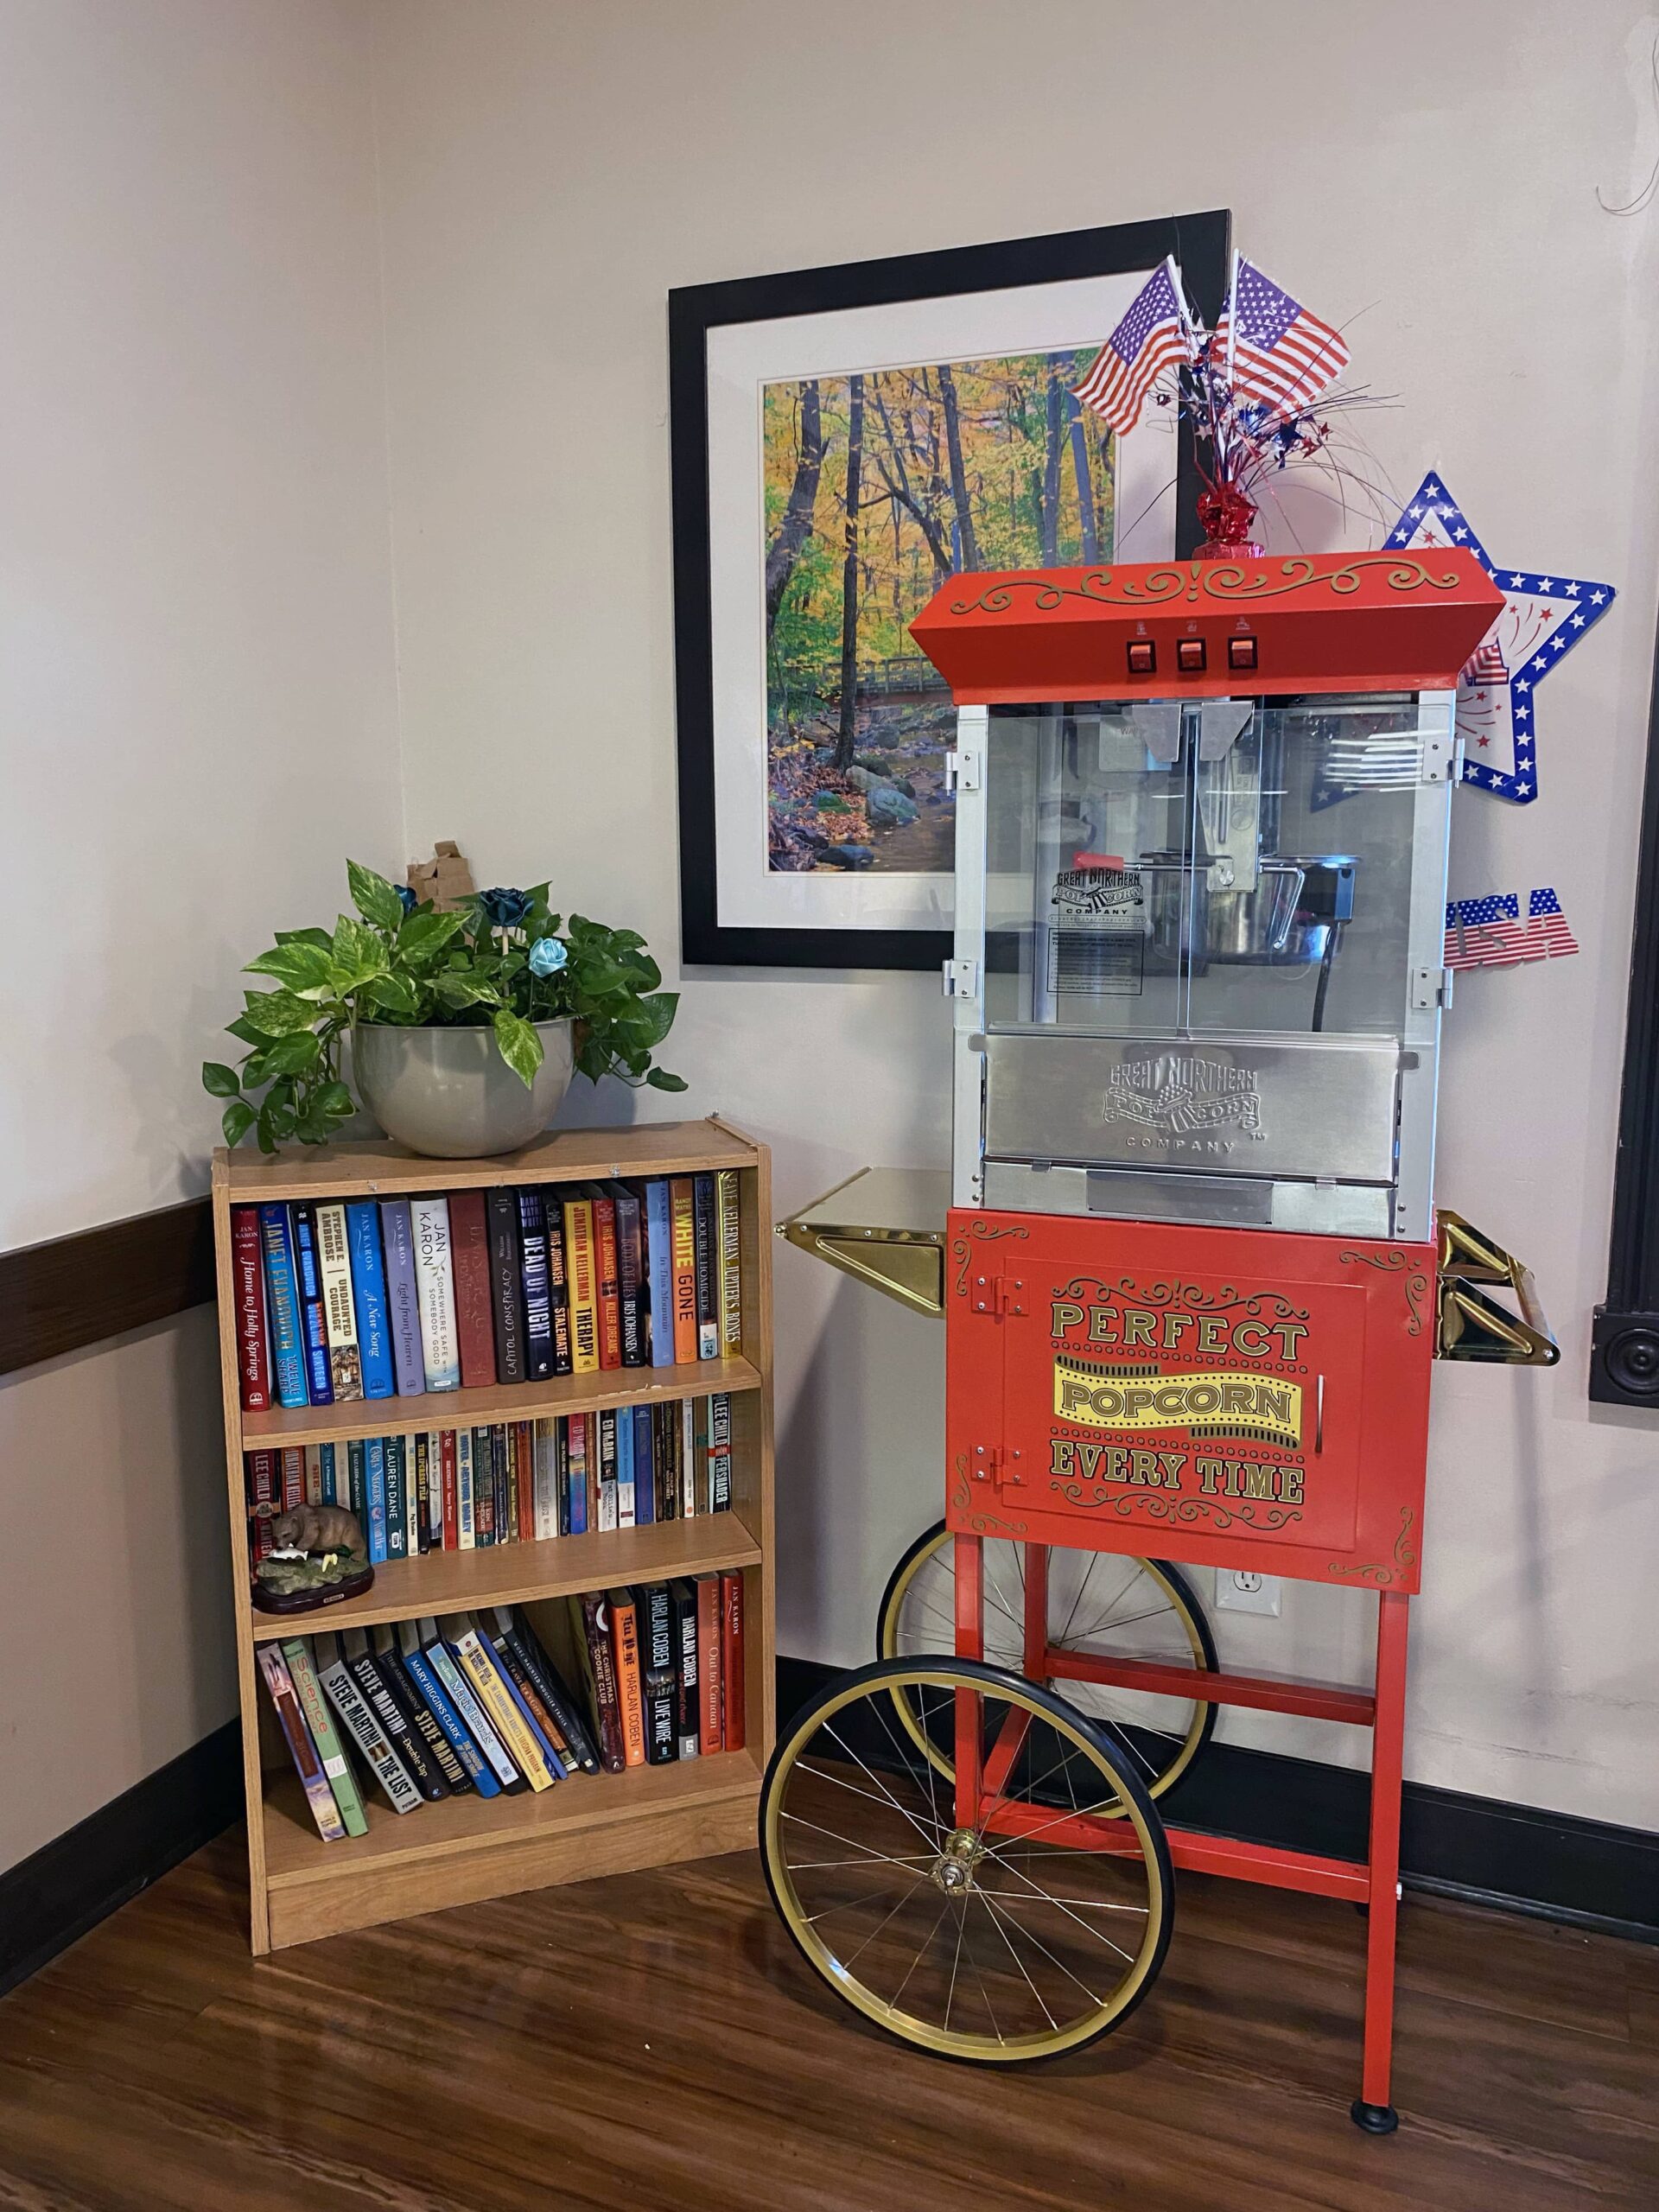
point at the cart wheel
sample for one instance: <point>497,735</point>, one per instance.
<point>1097,1601</point>
<point>996,1941</point>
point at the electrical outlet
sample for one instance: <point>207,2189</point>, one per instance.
<point>1239,1591</point>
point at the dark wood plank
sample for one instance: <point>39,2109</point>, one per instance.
<point>73,1291</point>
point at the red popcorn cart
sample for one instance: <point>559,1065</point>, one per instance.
<point>1190,1272</point>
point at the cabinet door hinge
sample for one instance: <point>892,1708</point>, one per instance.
<point>961,979</point>
<point>999,1294</point>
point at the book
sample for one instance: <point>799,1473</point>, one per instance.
<point>683,1600</point>
<point>506,1285</point>
<point>581,1267</point>
<point>558,1290</point>
<point>633,1293</point>
<point>537,1285</point>
<point>430,1219</point>
<point>720,1451</point>
<point>579,1439</point>
<point>709,1730</point>
<point>483,1488</point>
<point>313,1488</point>
<point>374,1498</point>
<point>262,1479</point>
<point>501,1482</point>
<point>292,1463</point>
<point>630,1685</point>
<point>420,1446</point>
<point>469,1248</point>
<point>659,1269</point>
<point>607,1291</point>
<point>450,1506</point>
<point>730,1299</point>
<point>424,1676</point>
<point>466,1519</point>
<point>557,1693</point>
<point>543,1725</point>
<point>590,1619</point>
<point>398,1726</point>
<point>731,1660</point>
<point>684,1216</point>
<point>388,1660</point>
<point>339,1308</point>
<point>645,1481</point>
<point>546,1478</point>
<point>325,1811</point>
<point>331,1461</point>
<point>523,1462</point>
<point>361,1726</point>
<point>625,1515</point>
<point>458,1690</point>
<point>606,1483</point>
<point>666,1466</point>
<point>314,1332</point>
<point>357,1489</point>
<point>706,1259</point>
<point>283,1306</point>
<point>369,1291</point>
<point>403,1297</point>
<point>477,1662</point>
<point>658,1676</point>
<point>320,1721</point>
<point>248,1274</point>
<point>397,1475</point>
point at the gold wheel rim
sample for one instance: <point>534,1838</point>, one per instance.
<point>1155,1786</point>
<point>909,2027</point>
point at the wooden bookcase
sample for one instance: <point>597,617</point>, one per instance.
<point>465,1848</point>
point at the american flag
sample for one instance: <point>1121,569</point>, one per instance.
<point>1485,665</point>
<point>1153,334</point>
<point>1273,349</point>
<point>1489,933</point>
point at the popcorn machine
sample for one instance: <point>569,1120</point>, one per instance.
<point>1191,1275</point>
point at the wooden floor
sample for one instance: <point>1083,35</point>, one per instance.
<point>649,2043</point>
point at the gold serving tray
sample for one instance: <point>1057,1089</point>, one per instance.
<point>1473,1326</point>
<point>884,1226</point>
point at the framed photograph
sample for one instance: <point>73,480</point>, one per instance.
<point>843,440</point>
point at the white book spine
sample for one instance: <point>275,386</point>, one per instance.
<point>434,1279</point>
<point>547,1479</point>
<point>464,1524</point>
<point>339,1306</point>
<point>689,1507</point>
<point>365,1731</point>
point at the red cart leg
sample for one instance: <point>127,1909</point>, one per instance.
<point>1037,1612</point>
<point>1371,2109</point>
<point>970,1644</point>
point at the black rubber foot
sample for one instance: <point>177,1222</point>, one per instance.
<point>1375,2120</point>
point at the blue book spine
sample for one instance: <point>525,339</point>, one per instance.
<point>369,1291</point>
<point>403,1299</point>
<point>556,1766</point>
<point>328,1477</point>
<point>397,1499</point>
<point>283,1303</point>
<point>449,1720</point>
<point>660,1267</point>
<point>444,1666</point>
<point>374,1486</point>
<point>580,1477</point>
<point>644,1473</point>
<point>318,1375</point>
<point>624,1465</point>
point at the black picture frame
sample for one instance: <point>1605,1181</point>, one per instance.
<point>1202,245</point>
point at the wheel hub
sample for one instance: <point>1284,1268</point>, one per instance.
<point>952,1871</point>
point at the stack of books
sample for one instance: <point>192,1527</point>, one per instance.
<point>415,1711</point>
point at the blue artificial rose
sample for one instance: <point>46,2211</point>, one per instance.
<point>406,898</point>
<point>505,909</point>
<point>547,955</point>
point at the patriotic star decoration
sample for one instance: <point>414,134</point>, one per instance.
<point>1543,617</point>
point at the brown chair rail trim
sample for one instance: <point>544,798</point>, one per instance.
<point>75,1291</point>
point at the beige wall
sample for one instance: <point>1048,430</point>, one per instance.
<point>549,172</point>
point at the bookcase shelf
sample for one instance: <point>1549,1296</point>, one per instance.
<point>464,1849</point>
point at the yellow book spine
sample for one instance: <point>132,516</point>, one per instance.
<point>730,1279</point>
<point>581,1265</point>
<point>505,1716</point>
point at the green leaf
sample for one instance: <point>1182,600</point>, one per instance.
<point>295,1055</point>
<point>459,987</point>
<point>218,1081</point>
<point>278,1013</point>
<point>660,1079</point>
<point>423,933</point>
<point>242,1028</point>
<point>239,1119</point>
<point>359,953</point>
<point>374,898</point>
<point>305,968</point>
<point>335,1098</point>
<point>321,939</point>
<point>391,994</point>
<point>520,1047</point>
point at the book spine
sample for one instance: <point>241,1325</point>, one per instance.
<point>687,1714</point>
<point>546,1522</point>
<point>580,1261</point>
<point>601,1660</point>
<point>429,1221</point>
<point>483,1488</point>
<point>666,1466</point>
<point>248,1271</point>
<point>558,1290</point>
<point>523,1476</point>
<point>556,1694</point>
<point>479,1726</point>
<point>434,1483</point>
<point>533,1268</point>
<point>318,1379</point>
<point>399,1728</point>
<point>422,1674</point>
<point>449,1448</point>
<point>630,1687</point>
<point>506,1286</point>
<point>720,1451</point>
<point>709,1666</point>
<point>283,1306</point>
<point>396,1477</point>
<point>367,1734</point>
<point>476,1660</point>
<point>706,1227</point>
<point>292,1476</point>
<point>607,1472</point>
<point>549,1737</point>
<point>731,1660</point>
<point>644,1478</point>
<point>324,1735</point>
<point>368,1290</point>
<point>339,1308</point>
<point>403,1297</point>
<point>313,1489</point>
<point>466,1503</point>
<point>579,1430</point>
<point>686,1439</point>
<point>318,1794</point>
<point>357,1489</point>
<point>654,1611</point>
<point>731,1278</point>
<point>659,1263</point>
<point>329,1462</point>
<point>470,1242</point>
<point>683,1206</point>
<point>606,1283</point>
<point>625,1514</point>
<point>424,1725</point>
<point>501,1482</point>
<point>420,1493</point>
<point>634,1314</point>
<point>374,1495</point>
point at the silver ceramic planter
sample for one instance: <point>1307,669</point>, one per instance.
<point>449,1094</point>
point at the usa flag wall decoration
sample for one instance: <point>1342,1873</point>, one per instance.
<point>1543,617</point>
<point>1489,933</point>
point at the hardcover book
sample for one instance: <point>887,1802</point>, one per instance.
<point>466,1516</point>
<point>682,1598</point>
<point>469,1244</point>
<point>394,1457</point>
<point>248,1272</point>
<point>357,1488</point>
<point>368,1290</point>
<point>537,1282</point>
<point>633,1296</point>
<point>720,1451</point>
<point>660,1269</point>
<point>710,1670</point>
<point>313,1488</point>
<point>450,1446</point>
<point>398,1726</point>
<point>403,1686</point>
<point>419,1449</point>
<point>558,1290</point>
<point>706,1226</point>
<point>682,1206</point>
<point>476,1660</point>
<point>374,1494</point>
<point>731,1245</point>
<point>339,1308</point>
<point>630,1675</point>
<point>543,1725</point>
<point>320,1721</point>
<point>318,1376</point>
<point>731,1660</point>
<point>423,1675</point>
<point>292,1476</point>
<point>579,1432</point>
<point>318,1794</point>
<point>685,1437</point>
<point>283,1306</point>
<point>581,1265</point>
<point>625,1515</point>
<point>607,1279</point>
<point>459,1691</point>
<point>506,1286</point>
<point>591,1623</point>
<point>263,1480</point>
<point>403,1297</point>
<point>606,1484</point>
<point>546,1520</point>
<point>362,1728</point>
<point>430,1219</point>
<point>644,1479</point>
<point>331,1461</point>
<point>654,1612</point>
<point>555,1693</point>
<point>523,1476</point>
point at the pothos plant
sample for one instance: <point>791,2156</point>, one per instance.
<point>503,960</point>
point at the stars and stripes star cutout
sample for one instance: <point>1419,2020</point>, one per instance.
<point>1544,616</point>
<point>1489,933</point>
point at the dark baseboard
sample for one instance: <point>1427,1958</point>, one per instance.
<point>71,1884</point>
<point>75,1291</point>
<point>1483,1850</point>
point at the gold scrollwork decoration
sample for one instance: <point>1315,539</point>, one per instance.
<point>1404,1559</point>
<point>1394,1263</point>
<point>1226,1300</point>
<point>1188,1509</point>
<point>1226,582</point>
<point>981,1524</point>
<point>986,1232</point>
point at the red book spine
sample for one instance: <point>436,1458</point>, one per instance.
<point>709,1662</point>
<point>525,1431</point>
<point>469,1244</point>
<point>247,1264</point>
<point>625,1646</point>
<point>731,1659</point>
<point>607,1287</point>
<point>451,1512</point>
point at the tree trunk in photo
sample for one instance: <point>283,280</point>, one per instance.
<point>1050,503</point>
<point>958,475</point>
<point>847,732</point>
<point>1088,527</point>
<point>797,524</point>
